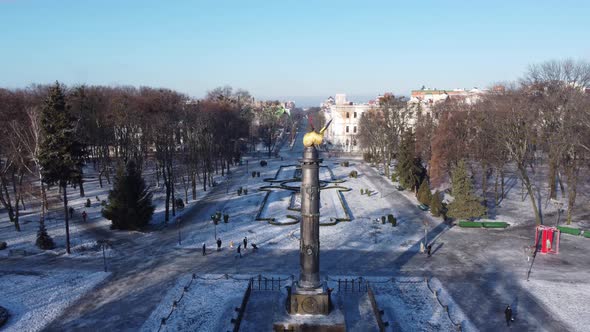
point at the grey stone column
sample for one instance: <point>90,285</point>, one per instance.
<point>309,251</point>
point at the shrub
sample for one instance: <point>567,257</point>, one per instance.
<point>353,174</point>
<point>394,176</point>
<point>344,163</point>
<point>253,174</point>
<point>368,192</point>
<point>103,203</point>
<point>368,157</point>
<point>362,191</point>
<point>97,199</point>
<point>240,191</point>
<point>263,163</point>
<point>179,203</point>
<point>3,245</point>
<point>216,217</point>
<point>44,241</point>
<point>88,203</point>
<point>258,174</point>
<point>226,218</point>
<point>245,191</point>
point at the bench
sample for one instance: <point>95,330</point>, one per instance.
<point>470,224</point>
<point>569,230</point>
<point>495,224</point>
<point>17,252</point>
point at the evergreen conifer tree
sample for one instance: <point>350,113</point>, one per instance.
<point>409,167</point>
<point>130,201</point>
<point>60,152</point>
<point>44,241</point>
<point>436,206</point>
<point>424,195</point>
<point>465,204</point>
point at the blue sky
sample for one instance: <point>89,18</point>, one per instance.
<point>304,50</point>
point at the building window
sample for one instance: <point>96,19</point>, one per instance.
<point>347,142</point>
<point>354,129</point>
<point>346,128</point>
<point>354,142</point>
<point>355,115</point>
<point>347,115</point>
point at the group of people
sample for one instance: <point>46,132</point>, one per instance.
<point>84,214</point>
<point>231,245</point>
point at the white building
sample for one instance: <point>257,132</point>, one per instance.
<point>427,98</point>
<point>342,132</point>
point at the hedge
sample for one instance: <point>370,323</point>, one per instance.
<point>569,230</point>
<point>587,234</point>
<point>470,224</point>
<point>495,224</point>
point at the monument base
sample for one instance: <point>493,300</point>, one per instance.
<point>308,301</point>
<point>307,314</point>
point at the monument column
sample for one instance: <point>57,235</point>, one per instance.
<point>309,251</point>
<point>309,295</point>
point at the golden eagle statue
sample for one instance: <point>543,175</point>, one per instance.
<point>314,138</point>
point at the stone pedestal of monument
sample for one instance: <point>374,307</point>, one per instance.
<point>308,301</point>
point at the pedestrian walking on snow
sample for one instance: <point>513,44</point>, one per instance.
<point>218,244</point>
<point>84,215</point>
<point>71,212</point>
<point>204,248</point>
<point>254,246</point>
<point>508,314</point>
<point>231,244</point>
<point>245,242</point>
<point>428,249</point>
<point>239,251</point>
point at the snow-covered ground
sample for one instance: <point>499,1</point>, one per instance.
<point>83,235</point>
<point>410,306</point>
<point>567,300</point>
<point>202,305</point>
<point>36,299</point>
<point>363,232</point>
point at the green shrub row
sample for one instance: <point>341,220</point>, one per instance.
<point>485,224</point>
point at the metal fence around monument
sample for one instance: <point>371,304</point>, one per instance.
<point>261,283</point>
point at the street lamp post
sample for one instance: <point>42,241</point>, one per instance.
<point>558,206</point>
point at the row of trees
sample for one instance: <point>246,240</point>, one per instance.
<point>49,132</point>
<point>541,123</point>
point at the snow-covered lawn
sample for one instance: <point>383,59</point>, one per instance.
<point>202,305</point>
<point>568,301</point>
<point>83,235</point>
<point>35,299</point>
<point>410,305</point>
<point>363,232</point>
